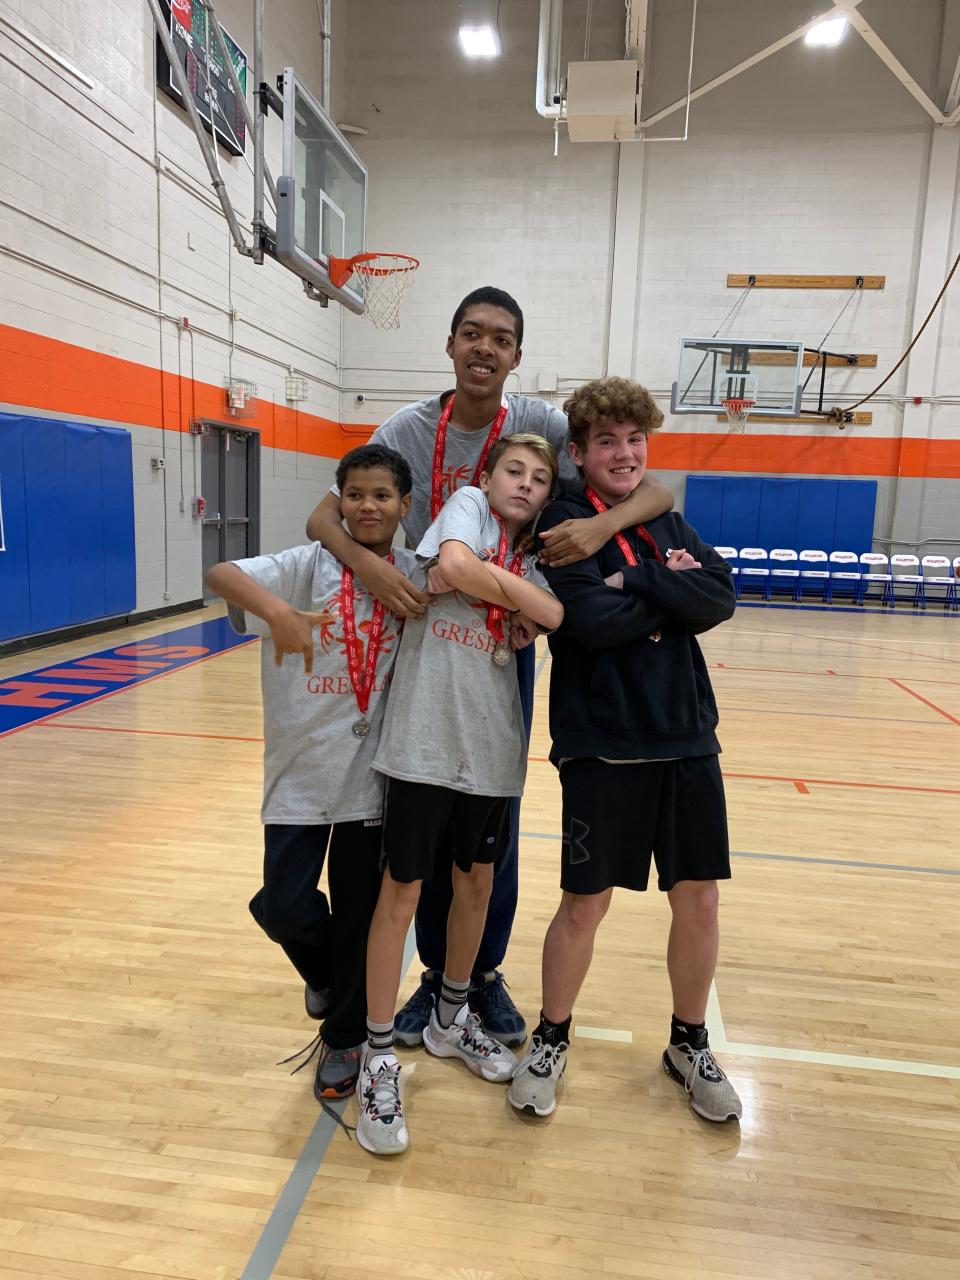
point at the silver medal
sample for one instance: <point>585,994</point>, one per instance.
<point>501,654</point>
<point>361,728</point>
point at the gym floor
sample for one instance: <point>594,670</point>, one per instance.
<point>147,1132</point>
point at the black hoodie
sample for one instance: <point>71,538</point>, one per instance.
<point>616,690</point>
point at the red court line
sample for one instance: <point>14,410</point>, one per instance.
<point>926,701</point>
<point>801,787</point>
<point>153,733</point>
<point>185,666</point>
<point>802,784</point>
<point>843,675</point>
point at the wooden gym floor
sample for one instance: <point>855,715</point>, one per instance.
<point>146,1131</point>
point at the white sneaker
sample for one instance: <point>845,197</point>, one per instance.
<point>380,1124</point>
<point>466,1039</point>
<point>533,1089</point>
<point>697,1070</point>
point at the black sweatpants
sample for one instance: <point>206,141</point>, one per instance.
<point>326,942</point>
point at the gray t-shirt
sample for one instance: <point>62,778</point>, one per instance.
<point>412,431</point>
<point>315,770</point>
<point>453,718</point>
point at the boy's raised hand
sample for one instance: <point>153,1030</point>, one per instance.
<point>392,588</point>
<point>291,631</point>
<point>572,541</point>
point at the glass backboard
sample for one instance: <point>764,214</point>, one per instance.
<point>716,369</point>
<point>321,196</point>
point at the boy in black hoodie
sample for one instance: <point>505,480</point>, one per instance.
<point>633,720</point>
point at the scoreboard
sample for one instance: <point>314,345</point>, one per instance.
<point>198,52</point>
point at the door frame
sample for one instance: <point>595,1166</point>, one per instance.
<point>206,426</point>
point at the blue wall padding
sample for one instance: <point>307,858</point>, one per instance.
<point>770,511</point>
<point>67,499</point>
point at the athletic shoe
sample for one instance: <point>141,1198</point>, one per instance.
<point>337,1071</point>
<point>317,1002</point>
<point>711,1093</point>
<point>490,1001</point>
<point>533,1089</point>
<point>380,1125</point>
<point>413,1017</point>
<point>466,1039</point>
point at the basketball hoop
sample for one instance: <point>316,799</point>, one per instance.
<point>383,279</point>
<point>737,411</point>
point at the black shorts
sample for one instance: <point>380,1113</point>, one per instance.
<point>616,815</point>
<point>426,826</point>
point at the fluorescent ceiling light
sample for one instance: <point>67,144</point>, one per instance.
<point>480,42</point>
<point>826,33</point>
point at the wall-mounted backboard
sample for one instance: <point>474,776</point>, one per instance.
<point>712,370</point>
<point>321,196</point>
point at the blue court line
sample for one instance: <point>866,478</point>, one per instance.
<point>796,857</point>
<point>276,1230</point>
<point>540,665</point>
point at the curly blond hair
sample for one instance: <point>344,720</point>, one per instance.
<point>618,399</point>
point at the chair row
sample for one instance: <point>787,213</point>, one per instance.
<point>908,578</point>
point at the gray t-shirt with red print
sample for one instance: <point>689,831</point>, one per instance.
<point>315,769</point>
<point>453,718</point>
<point>412,431</point>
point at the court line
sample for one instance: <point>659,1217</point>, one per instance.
<point>838,608</point>
<point>823,715</point>
<point>819,782</point>
<point>843,675</point>
<point>796,857</point>
<point>276,1230</point>
<point>926,701</point>
<point>604,1033</point>
<point>155,733</point>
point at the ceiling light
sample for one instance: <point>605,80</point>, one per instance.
<point>826,33</point>
<point>481,42</point>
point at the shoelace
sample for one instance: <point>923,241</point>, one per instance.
<point>495,994</point>
<point>311,1050</point>
<point>543,1058</point>
<point>702,1062</point>
<point>476,1039</point>
<point>382,1094</point>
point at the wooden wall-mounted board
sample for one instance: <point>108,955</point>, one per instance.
<point>741,280</point>
<point>865,360</point>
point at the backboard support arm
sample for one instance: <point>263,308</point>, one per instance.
<point>206,147</point>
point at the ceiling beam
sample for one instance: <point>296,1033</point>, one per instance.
<point>886,56</point>
<point>953,97</point>
<point>747,63</point>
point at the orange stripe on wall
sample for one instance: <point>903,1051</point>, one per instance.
<point>838,455</point>
<point>43,373</point>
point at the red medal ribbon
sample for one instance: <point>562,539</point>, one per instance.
<point>440,448</point>
<point>496,612</point>
<point>600,506</point>
<point>360,679</point>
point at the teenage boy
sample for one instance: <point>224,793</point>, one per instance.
<point>447,440</point>
<point>632,722</point>
<point>322,711</point>
<point>454,751</point>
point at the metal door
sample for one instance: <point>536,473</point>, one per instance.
<point>228,477</point>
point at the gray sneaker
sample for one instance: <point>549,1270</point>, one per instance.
<point>533,1089</point>
<point>466,1039</point>
<point>380,1125</point>
<point>337,1071</point>
<point>711,1093</point>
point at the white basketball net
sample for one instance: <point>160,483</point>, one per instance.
<point>383,282</point>
<point>737,411</point>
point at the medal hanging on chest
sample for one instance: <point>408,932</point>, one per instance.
<point>362,673</point>
<point>495,612</point>
<point>440,448</point>
<point>600,506</point>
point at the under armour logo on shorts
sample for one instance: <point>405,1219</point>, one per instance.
<point>573,836</point>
